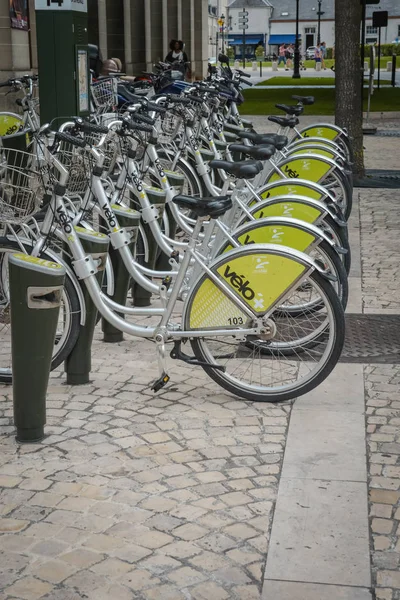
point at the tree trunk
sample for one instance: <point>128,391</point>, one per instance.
<point>348,76</point>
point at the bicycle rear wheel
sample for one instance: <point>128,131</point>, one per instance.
<point>316,341</point>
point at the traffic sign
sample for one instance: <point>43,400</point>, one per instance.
<point>244,27</point>
<point>244,13</point>
<point>61,5</point>
<point>243,20</point>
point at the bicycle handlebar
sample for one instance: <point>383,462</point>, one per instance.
<point>70,139</point>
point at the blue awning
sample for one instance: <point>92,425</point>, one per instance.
<point>251,39</point>
<point>277,40</point>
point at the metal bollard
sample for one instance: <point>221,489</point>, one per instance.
<point>394,59</point>
<point>35,291</point>
<point>79,363</point>
<point>128,219</point>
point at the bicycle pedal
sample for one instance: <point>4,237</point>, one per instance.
<point>160,383</point>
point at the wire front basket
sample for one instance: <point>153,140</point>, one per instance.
<point>170,126</point>
<point>21,186</point>
<point>105,94</point>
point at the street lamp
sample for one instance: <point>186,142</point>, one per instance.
<point>319,13</point>
<point>221,23</point>
<point>296,66</point>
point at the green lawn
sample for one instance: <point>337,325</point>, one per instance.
<point>262,102</point>
<point>310,64</point>
<point>317,81</point>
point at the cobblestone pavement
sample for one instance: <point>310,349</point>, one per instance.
<point>137,496</point>
<point>383,436</point>
<point>380,229</point>
<point>133,495</point>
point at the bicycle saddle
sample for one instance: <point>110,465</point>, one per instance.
<point>306,100</point>
<point>296,109</point>
<point>245,169</point>
<point>257,152</point>
<point>279,141</point>
<point>285,121</point>
<point>204,207</point>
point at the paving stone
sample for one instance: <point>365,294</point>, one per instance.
<point>159,564</point>
<point>49,548</point>
<point>112,567</point>
<point>138,580</point>
<point>53,571</point>
<point>166,592</point>
<point>12,525</point>
<point>29,588</point>
<point>181,549</point>
<point>81,558</point>
<point>207,590</point>
<point>186,576</point>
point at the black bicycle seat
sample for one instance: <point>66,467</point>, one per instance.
<point>256,152</point>
<point>246,169</point>
<point>274,139</point>
<point>204,207</point>
<point>306,100</point>
<point>292,109</point>
<point>285,121</point>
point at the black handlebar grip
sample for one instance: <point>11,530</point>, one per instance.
<point>242,73</point>
<point>70,139</point>
<point>138,126</point>
<point>142,118</point>
<point>92,128</point>
<point>153,107</point>
<point>195,99</point>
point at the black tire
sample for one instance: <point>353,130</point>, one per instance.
<point>340,236</point>
<point>346,184</point>
<point>70,295</point>
<point>194,183</point>
<point>338,270</point>
<point>328,365</point>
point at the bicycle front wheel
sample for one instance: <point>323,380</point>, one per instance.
<point>316,341</point>
<point>68,321</point>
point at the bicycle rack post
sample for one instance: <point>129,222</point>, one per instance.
<point>394,58</point>
<point>129,220</point>
<point>35,292</point>
<point>79,363</point>
<point>156,197</point>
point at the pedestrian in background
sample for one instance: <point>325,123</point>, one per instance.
<point>289,56</point>
<point>317,55</point>
<point>282,55</point>
<point>176,53</point>
<point>323,55</point>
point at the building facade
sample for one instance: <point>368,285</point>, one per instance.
<point>18,53</point>
<point>139,32</point>
<point>283,22</point>
<point>257,32</point>
<point>219,24</point>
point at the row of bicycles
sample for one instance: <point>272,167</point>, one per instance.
<point>235,241</point>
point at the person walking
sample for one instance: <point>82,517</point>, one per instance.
<point>282,55</point>
<point>317,55</point>
<point>289,56</point>
<point>323,55</point>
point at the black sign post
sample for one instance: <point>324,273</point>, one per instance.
<point>363,21</point>
<point>379,20</point>
<point>243,20</point>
